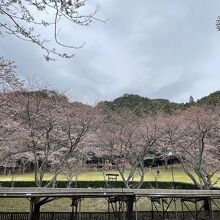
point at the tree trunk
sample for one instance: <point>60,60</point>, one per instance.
<point>23,168</point>
<point>29,166</point>
<point>20,166</point>
<point>35,209</point>
<point>5,170</point>
<point>166,163</point>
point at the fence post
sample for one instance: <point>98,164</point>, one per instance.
<point>130,204</point>
<point>52,215</point>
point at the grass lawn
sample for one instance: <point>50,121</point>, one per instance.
<point>97,175</point>
<point>87,205</point>
<point>165,175</point>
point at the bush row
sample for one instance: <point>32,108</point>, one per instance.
<point>101,184</point>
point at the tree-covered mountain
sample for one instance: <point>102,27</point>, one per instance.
<point>211,99</point>
<point>142,105</point>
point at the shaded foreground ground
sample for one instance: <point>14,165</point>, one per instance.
<point>96,200</point>
<point>175,204</point>
<point>87,205</point>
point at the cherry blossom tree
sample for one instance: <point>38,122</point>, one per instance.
<point>30,20</point>
<point>35,114</point>
<point>76,122</point>
<point>10,141</point>
<point>53,129</point>
<point>8,76</point>
<point>10,132</point>
<point>9,129</point>
<point>192,136</point>
<point>129,140</point>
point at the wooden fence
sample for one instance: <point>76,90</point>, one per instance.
<point>106,216</point>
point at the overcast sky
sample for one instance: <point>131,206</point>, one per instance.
<point>154,48</point>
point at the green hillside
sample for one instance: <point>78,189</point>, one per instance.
<point>143,105</point>
<point>211,99</point>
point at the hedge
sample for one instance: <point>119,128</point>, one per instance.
<point>101,184</point>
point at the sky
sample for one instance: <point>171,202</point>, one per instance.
<point>154,48</point>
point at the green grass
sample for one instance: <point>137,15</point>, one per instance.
<point>64,205</point>
<point>87,205</point>
<point>97,175</point>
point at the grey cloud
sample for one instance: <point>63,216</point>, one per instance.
<point>165,49</point>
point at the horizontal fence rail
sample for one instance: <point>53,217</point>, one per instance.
<point>19,192</point>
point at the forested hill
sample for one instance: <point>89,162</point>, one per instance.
<point>211,99</point>
<point>142,105</point>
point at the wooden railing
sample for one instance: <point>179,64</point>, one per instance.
<point>102,216</point>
